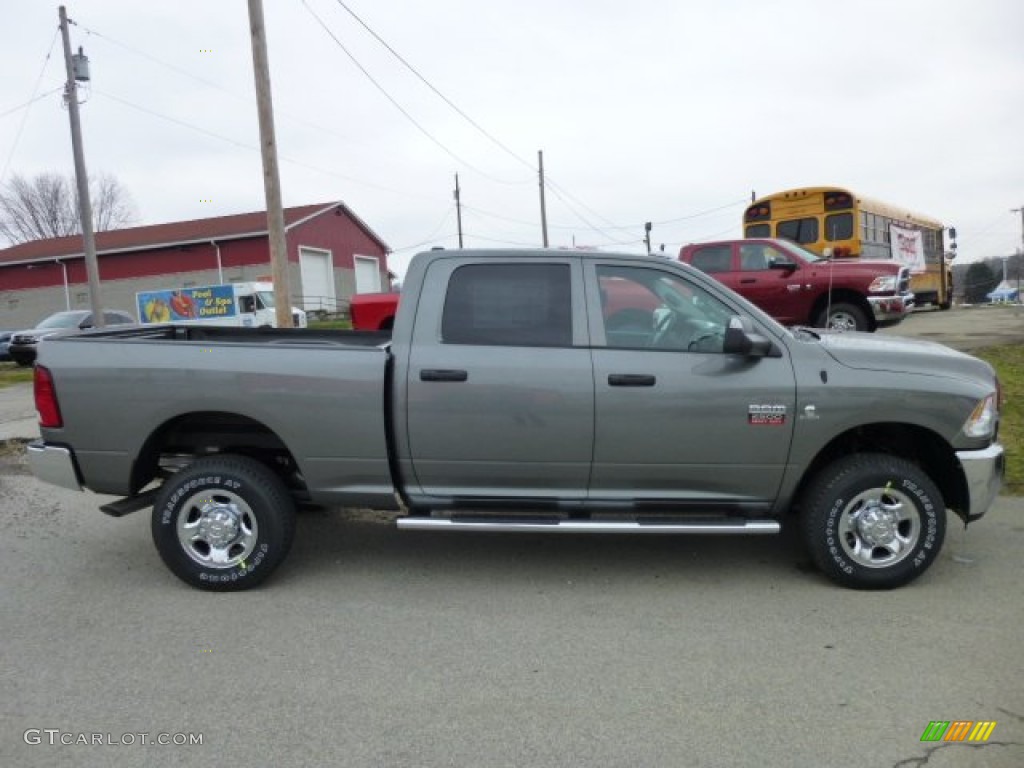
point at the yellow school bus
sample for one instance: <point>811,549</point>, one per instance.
<point>838,222</point>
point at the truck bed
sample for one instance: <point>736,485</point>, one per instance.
<point>320,394</point>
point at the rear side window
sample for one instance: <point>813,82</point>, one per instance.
<point>526,305</point>
<point>713,258</point>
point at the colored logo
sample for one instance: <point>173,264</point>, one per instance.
<point>958,730</point>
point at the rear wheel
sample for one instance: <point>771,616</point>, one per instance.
<point>842,316</point>
<point>873,521</point>
<point>223,523</point>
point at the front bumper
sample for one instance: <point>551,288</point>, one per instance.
<point>984,471</point>
<point>889,310</point>
<point>53,464</point>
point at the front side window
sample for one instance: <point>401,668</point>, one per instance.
<point>528,305</point>
<point>759,256</point>
<point>798,230</point>
<point>646,308</point>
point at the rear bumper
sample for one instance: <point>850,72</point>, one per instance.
<point>53,464</point>
<point>889,310</point>
<point>984,471</point>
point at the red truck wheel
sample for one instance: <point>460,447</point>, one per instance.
<point>873,521</point>
<point>223,523</point>
<point>843,317</point>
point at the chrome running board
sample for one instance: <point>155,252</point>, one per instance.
<point>497,524</point>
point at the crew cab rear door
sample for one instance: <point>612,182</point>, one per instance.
<point>499,386</point>
<point>677,421</point>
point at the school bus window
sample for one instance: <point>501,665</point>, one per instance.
<point>759,230</point>
<point>839,226</point>
<point>798,230</point>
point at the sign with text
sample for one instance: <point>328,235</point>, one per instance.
<point>907,247</point>
<point>206,303</point>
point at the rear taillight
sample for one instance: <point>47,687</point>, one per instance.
<point>46,399</point>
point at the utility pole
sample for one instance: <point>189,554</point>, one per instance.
<point>271,175</point>
<point>81,177</point>
<point>647,236</point>
<point>543,207</point>
<point>458,209</point>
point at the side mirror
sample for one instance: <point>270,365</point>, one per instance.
<point>783,264</point>
<point>741,338</point>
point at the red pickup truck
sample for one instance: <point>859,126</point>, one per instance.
<point>798,287</point>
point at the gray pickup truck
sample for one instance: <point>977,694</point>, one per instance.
<point>540,391</point>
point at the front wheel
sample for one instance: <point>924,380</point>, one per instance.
<point>873,521</point>
<point>843,317</point>
<point>223,523</point>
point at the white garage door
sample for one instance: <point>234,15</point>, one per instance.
<point>317,279</point>
<point>367,274</point>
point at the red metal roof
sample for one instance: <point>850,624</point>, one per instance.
<point>176,232</point>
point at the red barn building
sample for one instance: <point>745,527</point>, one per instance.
<point>331,255</point>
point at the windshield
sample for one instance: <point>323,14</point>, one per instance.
<point>808,255</point>
<point>63,320</point>
<point>266,299</point>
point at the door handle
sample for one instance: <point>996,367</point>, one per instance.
<point>749,280</point>
<point>631,380</point>
<point>443,374</point>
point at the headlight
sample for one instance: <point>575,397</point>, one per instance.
<point>982,421</point>
<point>883,284</point>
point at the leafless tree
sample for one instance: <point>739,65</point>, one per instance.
<point>47,206</point>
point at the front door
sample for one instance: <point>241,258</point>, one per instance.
<point>677,420</point>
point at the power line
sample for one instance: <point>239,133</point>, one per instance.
<point>254,147</point>
<point>560,192</point>
<point>209,83</point>
<point>393,101</point>
<point>440,95</point>
<point>30,102</point>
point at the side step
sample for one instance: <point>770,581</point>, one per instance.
<point>497,524</point>
<point>130,504</point>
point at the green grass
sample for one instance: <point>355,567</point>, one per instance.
<point>1009,364</point>
<point>10,373</point>
<point>341,325</point>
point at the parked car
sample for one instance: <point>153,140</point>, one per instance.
<point>798,287</point>
<point>22,346</point>
<point>5,338</point>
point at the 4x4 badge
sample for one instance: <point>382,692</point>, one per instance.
<point>766,415</point>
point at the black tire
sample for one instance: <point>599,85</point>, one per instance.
<point>842,316</point>
<point>873,521</point>
<point>223,523</point>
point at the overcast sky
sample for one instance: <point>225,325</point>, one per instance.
<point>669,111</point>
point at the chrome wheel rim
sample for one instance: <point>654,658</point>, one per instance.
<point>879,527</point>
<point>842,321</point>
<point>217,529</point>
